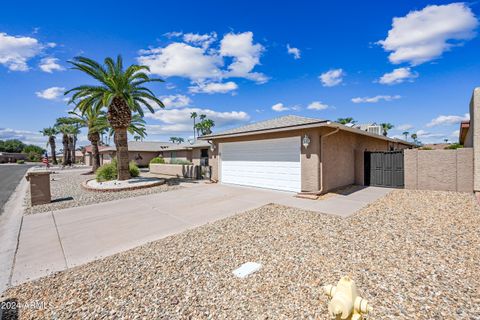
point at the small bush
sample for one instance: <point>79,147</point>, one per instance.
<point>20,161</point>
<point>133,168</point>
<point>180,161</point>
<point>107,172</point>
<point>454,146</point>
<point>157,160</point>
<point>425,148</point>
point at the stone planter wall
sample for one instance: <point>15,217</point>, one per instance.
<point>174,170</point>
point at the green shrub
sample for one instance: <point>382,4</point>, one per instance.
<point>108,171</point>
<point>133,168</point>
<point>20,161</point>
<point>454,146</point>
<point>157,160</point>
<point>425,148</point>
<point>180,161</point>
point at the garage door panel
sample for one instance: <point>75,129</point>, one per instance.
<point>273,163</point>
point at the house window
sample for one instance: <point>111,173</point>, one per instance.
<point>204,157</point>
<point>173,154</point>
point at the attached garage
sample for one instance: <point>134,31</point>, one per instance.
<point>297,154</point>
<point>268,163</point>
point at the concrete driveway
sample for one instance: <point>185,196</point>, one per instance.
<point>62,239</point>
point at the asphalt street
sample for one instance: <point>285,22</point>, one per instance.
<point>10,175</point>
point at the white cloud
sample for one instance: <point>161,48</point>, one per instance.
<point>375,99</point>
<point>448,120</point>
<point>398,75</point>
<point>182,60</point>
<point>279,107</point>
<point>52,93</point>
<point>317,105</point>
<point>455,134</point>
<point>424,35</point>
<point>332,77</point>
<point>245,54</point>
<point>176,101</point>
<point>295,52</point>
<point>202,40</point>
<point>404,127</point>
<point>182,116</point>
<point>169,129</point>
<point>198,61</point>
<point>15,51</point>
<point>213,87</point>
<point>173,34</point>
<point>422,134</point>
<point>50,64</point>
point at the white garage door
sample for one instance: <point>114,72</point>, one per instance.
<point>272,163</point>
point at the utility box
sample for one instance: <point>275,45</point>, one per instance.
<point>39,187</point>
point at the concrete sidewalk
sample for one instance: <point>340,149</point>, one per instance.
<point>62,239</point>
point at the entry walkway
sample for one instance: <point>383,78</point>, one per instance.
<point>62,239</point>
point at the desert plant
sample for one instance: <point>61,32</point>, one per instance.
<point>385,127</point>
<point>133,168</point>
<point>20,161</point>
<point>454,146</point>
<point>180,161</point>
<point>121,91</point>
<point>346,120</point>
<point>157,160</point>
<point>108,171</point>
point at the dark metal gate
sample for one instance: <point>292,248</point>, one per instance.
<point>384,169</point>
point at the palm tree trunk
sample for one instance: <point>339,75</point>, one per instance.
<point>194,129</point>
<point>52,149</point>
<point>69,153</point>
<point>74,147</point>
<point>65,149</point>
<point>94,138</point>
<point>121,142</point>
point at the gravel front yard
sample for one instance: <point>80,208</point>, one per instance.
<point>414,255</point>
<point>67,185</point>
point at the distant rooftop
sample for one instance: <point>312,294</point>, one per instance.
<point>157,146</point>
<point>276,123</point>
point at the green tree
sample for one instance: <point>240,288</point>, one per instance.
<point>135,128</point>
<point>51,133</point>
<point>346,120</point>
<point>205,126</point>
<point>385,127</point>
<point>194,116</point>
<point>34,153</point>
<point>121,92</point>
<point>406,133</point>
<point>95,120</point>
<point>177,139</point>
<point>414,138</point>
<point>65,126</point>
<point>13,146</point>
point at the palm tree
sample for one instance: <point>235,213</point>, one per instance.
<point>74,132</point>
<point>121,92</point>
<point>51,132</point>
<point>95,119</point>
<point>177,139</point>
<point>346,120</point>
<point>414,137</point>
<point>205,127</point>
<point>406,133</point>
<point>446,140</point>
<point>64,129</point>
<point>136,127</point>
<point>385,127</point>
<point>193,116</point>
<point>137,138</point>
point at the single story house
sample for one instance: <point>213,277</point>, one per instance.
<point>293,153</point>
<point>142,152</point>
<point>9,157</point>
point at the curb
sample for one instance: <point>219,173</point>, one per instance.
<point>155,184</point>
<point>10,225</point>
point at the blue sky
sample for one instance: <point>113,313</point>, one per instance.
<point>413,63</point>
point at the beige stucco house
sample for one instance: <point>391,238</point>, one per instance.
<point>143,151</point>
<point>295,153</point>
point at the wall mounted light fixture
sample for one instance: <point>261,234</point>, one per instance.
<point>306,141</point>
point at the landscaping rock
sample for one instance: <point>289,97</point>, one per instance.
<point>413,255</point>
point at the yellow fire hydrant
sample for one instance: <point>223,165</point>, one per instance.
<point>346,303</point>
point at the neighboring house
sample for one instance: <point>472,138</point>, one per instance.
<point>79,157</point>
<point>369,127</point>
<point>8,157</point>
<point>87,154</point>
<point>294,153</point>
<point>143,151</point>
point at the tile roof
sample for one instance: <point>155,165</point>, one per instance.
<point>276,123</point>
